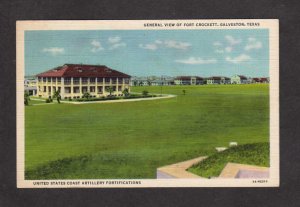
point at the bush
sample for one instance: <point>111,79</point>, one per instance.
<point>145,93</point>
<point>48,100</point>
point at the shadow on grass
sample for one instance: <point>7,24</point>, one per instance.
<point>57,169</point>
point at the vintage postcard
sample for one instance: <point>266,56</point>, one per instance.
<point>148,103</point>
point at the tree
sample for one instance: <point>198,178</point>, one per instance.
<point>26,98</point>
<point>145,93</point>
<point>56,95</point>
<point>183,91</point>
<point>86,95</point>
<point>109,90</point>
<point>125,92</point>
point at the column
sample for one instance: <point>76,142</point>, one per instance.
<point>103,87</point>
<point>96,86</point>
<point>72,87</point>
<point>62,88</point>
<point>80,86</point>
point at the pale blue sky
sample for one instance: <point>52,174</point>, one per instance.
<point>152,52</point>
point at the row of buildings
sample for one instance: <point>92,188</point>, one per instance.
<point>73,80</point>
<point>195,80</point>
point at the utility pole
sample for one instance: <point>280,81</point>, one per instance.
<point>161,86</point>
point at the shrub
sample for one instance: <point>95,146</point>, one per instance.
<point>48,100</point>
<point>145,93</point>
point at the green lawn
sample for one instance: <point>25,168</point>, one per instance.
<point>253,154</point>
<point>32,102</point>
<point>132,139</point>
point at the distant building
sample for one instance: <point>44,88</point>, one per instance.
<point>260,80</point>
<point>139,81</point>
<point>73,80</point>
<point>239,79</point>
<point>162,82</point>
<point>218,80</point>
<point>30,85</point>
<point>188,80</point>
<point>151,81</point>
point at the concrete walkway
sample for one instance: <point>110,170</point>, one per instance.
<point>41,104</point>
<point>178,170</point>
<point>164,96</point>
<point>235,170</point>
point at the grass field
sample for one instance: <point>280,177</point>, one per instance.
<point>132,139</point>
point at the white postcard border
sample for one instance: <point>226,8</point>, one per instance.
<point>272,25</point>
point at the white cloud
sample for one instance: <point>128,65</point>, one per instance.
<point>219,51</point>
<point>196,61</point>
<point>253,44</point>
<point>96,46</point>
<point>117,45</point>
<point>228,49</point>
<point>115,39</point>
<point>54,50</point>
<point>148,46</point>
<point>238,59</point>
<point>217,44</point>
<point>232,41</point>
<point>177,45</point>
<point>167,43</point>
<point>158,42</point>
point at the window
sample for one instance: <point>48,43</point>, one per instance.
<point>76,89</point>
<point>84,89</point>
<point>92,80</point>
<point>67,89</point>
<point>45,89</point>
<point>54,80</point>
<point>48,79</point>
<point>126,80</point>
<point>99,80</point>
<point>92,89</point>
<point>100,89</point>
<point>76,81</point>
<point>58,80</point>
<point>44,79</point>
<point>107,80</point>
<point>84,80</point>
<point>120,80</point>
<point>114,88</point>
<point>120,88</point>
<point>114,80</point>
<point>67,81</point>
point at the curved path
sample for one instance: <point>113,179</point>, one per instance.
<point>164,96</point>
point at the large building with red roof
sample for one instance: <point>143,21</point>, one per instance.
<point>188,80</point>
<point>218,80</point>
<point>73,80</point>
<point>239,79</point>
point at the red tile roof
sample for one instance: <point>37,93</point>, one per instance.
<point>242,77</point>
<point>264,79</point>
<point>260,79</point>
<point>218,78</point>
<point>188,77</point>
<point>79,70</point>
